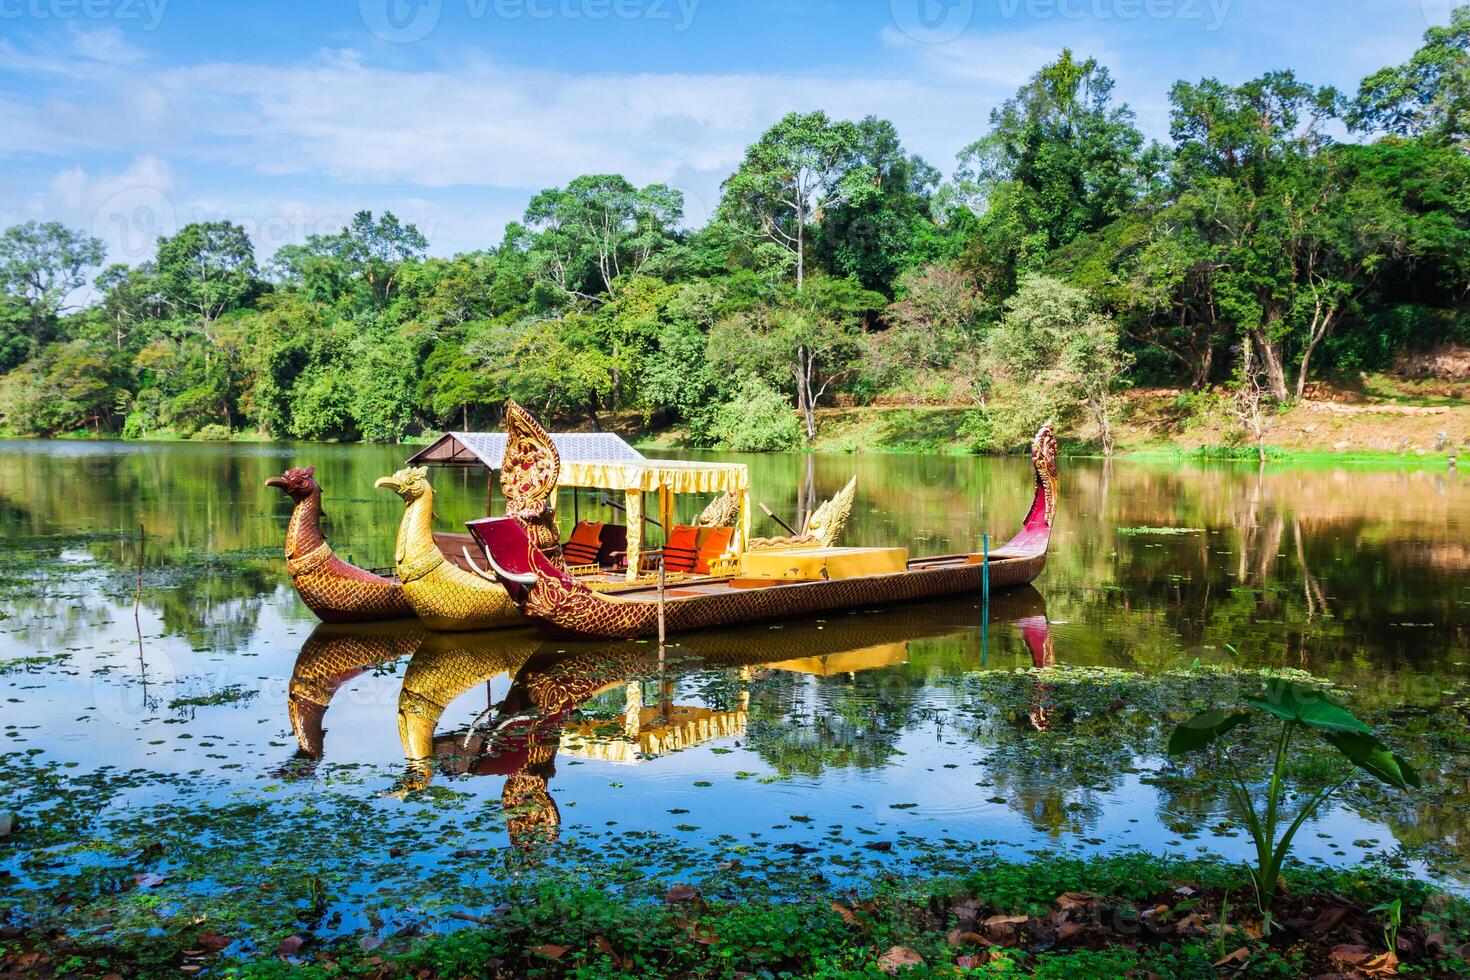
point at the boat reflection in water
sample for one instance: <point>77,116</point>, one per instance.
<point>521,736</point>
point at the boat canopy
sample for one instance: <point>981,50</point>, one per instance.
<point>601,459</point>
<point>604,461</point>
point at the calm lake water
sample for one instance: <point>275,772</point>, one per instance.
<point>193,736</point>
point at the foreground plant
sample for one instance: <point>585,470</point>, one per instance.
<point>1302,711</point>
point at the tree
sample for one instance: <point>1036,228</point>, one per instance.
<point>43,264</point>
<point>1243,132</point>
<point>130,299</point>
<point>599,229</point>
<point>799,168</point>
<point>367,252</point>
<point>813,337</point>
<point>933,329</point>
<point>1052,350</point>
<point>1429,95</point>
<point>885,227</point>
<point>1060,160</point>
<point>205,270</point>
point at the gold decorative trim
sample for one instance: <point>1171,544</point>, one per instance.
<point>309,562</point>
<point>414,569</point>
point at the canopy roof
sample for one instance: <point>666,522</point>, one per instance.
<point>592,459</point>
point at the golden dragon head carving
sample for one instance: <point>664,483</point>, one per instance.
<point>410,483</point>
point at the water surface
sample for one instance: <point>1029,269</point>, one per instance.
<point>190,723</point>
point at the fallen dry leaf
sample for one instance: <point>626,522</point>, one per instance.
<point>213,941</point>
<point>1349,954</point>
<point>848,918</point>
<point>604,946</point>
<point>959,937</point>
<point>899,958</point>
<point>550,951</point>
<point>1239,956</point>
<point>290,946</point>
<point>972,961</point>
<point>1382,965</point>
<point>1077,900</point>
<point>681,893</point>
<point>1005,920</point>
<point>1069,930</point>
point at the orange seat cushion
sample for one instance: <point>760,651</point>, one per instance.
<point>581,547</point>
<point>713,542</point>
<point>681,549</point>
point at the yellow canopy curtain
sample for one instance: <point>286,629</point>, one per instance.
<point>605,462</point>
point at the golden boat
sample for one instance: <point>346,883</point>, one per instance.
<point>772,584</point>
<point>338,592</point>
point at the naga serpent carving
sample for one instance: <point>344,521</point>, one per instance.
<point>330,587</point>
<point>823,525</point>
<point>445,596</point>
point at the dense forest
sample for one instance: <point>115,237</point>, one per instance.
<point>1287,232</point>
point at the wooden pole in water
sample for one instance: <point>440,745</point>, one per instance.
<point>662,710</point>
<point>985,599</point>
<point>660,605</point>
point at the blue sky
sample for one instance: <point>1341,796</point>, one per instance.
<point>131,117</point>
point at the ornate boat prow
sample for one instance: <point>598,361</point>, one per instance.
<point>770,585</point>
<point>445,596</point>
<point>336,591</point>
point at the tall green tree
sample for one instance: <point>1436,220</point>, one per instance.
<point>799,169</point>
<point>42,264</point>
<point>874,235</point>
<point>205,270</point>
<point>1429,95</point>
<point>1061,160</point>
<point>587,237</point>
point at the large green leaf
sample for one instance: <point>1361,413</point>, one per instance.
<point>1373,757</point>
<point>1307,706</point>
<point>1202,729</point>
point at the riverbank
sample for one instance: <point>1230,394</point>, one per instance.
<point>1055,916</point>
<point>1382,418</point>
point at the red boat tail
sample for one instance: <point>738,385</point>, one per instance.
<point>336,591</point>
<point>770,585</point>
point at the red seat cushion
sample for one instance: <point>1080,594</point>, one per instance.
<point>681,549</point>
<point>713,542</point>
<point>581,548</point>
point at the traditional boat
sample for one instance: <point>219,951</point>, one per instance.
<point>769,584</point>
<point>444,595</point>
<point>336,591</point>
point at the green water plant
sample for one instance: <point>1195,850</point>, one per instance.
<point>1305,713</point>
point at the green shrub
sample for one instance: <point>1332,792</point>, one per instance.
<point>757,419</point>
<point>213,432</point>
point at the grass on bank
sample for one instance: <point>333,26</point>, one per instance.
<point>1063,917</point>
